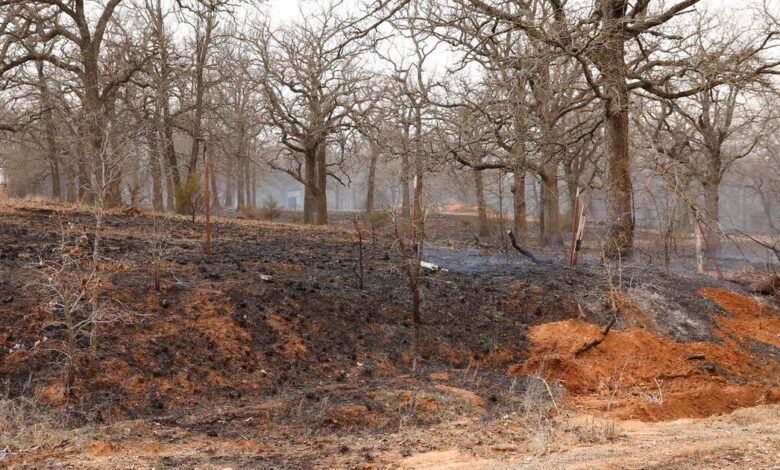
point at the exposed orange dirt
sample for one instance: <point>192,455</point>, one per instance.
<point>636,374</point>
<point>750,319</point>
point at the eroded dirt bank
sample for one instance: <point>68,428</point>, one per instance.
<point>222,368</point>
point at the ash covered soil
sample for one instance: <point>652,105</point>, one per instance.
<point>224,369</point>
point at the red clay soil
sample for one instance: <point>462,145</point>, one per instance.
<point>750,319</point>
<point>205,320</point>
<point>636,374</point>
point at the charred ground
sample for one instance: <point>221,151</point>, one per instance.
<point>219,352</point>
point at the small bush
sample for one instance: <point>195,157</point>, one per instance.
<point>596,432</point>
<point>377,219</point>
<point>25,425</point>
<point>189,198</point>
<point>270,209</point>
<point>248,211</point>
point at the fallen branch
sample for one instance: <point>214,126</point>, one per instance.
<point>522,251</point>
<point>598,341</point>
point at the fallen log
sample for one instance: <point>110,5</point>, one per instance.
<point>523,251</point>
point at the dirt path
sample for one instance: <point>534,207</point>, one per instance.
<point>748,438</point>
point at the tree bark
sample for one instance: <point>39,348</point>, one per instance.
<point>70,183</point>
<point>572,184</point>
<point>479,186</point>
<point>54,169</point>
<point>610,58</point>
<point>371,180</point>
<point>518,198</point>
<point>549,205</point>
<point>619,188</point>
<point>164,119</point>
<point>229,178</point>
<point>49,132</point>
<point>417,203</point>
<point>250,202</point>
<point>253,192</point>
<point>170,192</point>
<point>201,53</point>
<point>711,189</point>
<point>405,170</point>
<point>156,171</point>
<point>309,186</point>
<point>113,196</point>
<point>322,180</point>
<point>240,190</point>
<point>215,203</point>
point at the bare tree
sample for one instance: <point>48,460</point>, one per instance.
<point>601,40</point>
<point>47,27</point>
<point>311,73</point>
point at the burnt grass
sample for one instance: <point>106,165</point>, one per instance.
<point>356,342</point>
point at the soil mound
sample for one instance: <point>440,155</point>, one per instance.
<point>637,374</point>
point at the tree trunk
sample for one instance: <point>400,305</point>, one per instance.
<point>619,188</point>
<point>479,185</point>
<point>156,171</point>
<point>572,184</point>
<point>201,56</point>
<point>518,198</point>
<point>253,192</point>
<point>229,178</point>
<point>538,198</point>
<point>84,194</point>
<point>167,150</point>
<point>371,181</point>
<point>240,191</point>
<point>170,193</point>
<point>49,132</point>
<point>170,150</point>
<point>248,184</point>
<point>70,183</point>
<point>550,234</point>
<point>54,169</point>
<point>54,161</point>
<point>405,170</point>
<point>310,186</point>
<point>215,204</point>
<point>711,187</point>
<point>417,202</point>
<point>610,57</point>
<point>322,179</point>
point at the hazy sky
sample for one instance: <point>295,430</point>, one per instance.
<point>283,9</point>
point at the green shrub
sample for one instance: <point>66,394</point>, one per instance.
<point>270,209</point>
<point>377,218</point>
<point>189,198</point>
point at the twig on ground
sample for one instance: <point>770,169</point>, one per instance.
<point>598,341</point>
